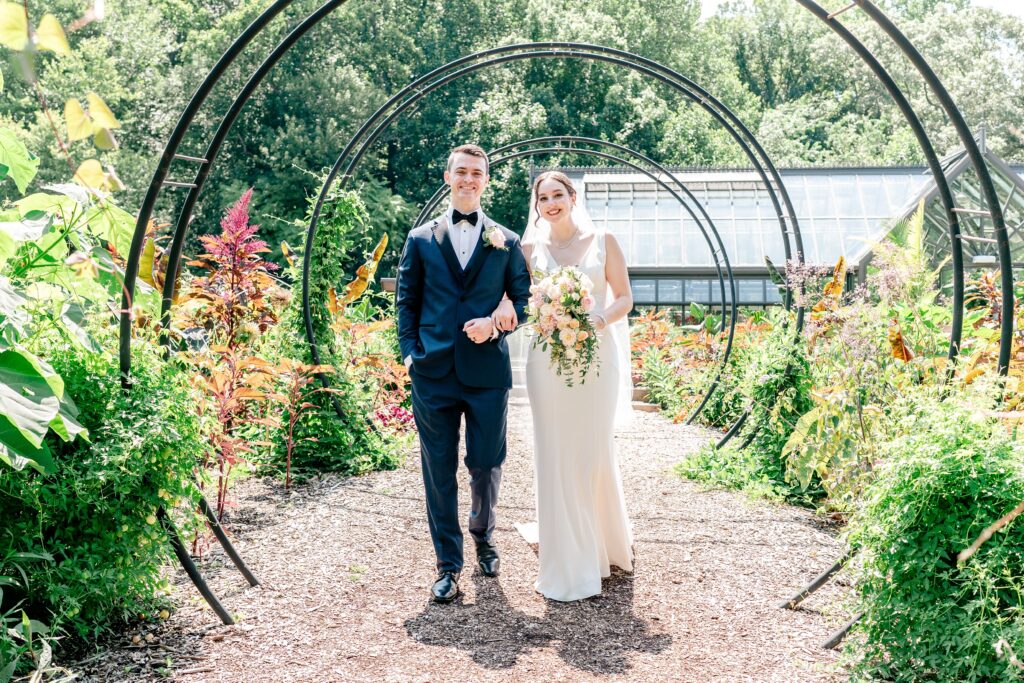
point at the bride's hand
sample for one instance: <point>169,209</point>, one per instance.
<point>597,321</point>
<point>504,316</point>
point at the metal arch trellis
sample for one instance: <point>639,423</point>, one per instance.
<point>170,154</point>
<point>458,68</point>
<point>512,152</point>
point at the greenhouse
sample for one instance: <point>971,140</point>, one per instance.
<point>842,211</point>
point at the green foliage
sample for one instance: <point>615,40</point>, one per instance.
<point>96,515</point>
<point>947,475</point>
<point>776,384</point>
<point>323,441</point>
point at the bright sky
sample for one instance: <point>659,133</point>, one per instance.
<point>1008,6</point>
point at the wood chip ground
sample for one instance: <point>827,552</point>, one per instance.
<point>345,566</point>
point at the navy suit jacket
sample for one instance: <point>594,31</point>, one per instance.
<point>435,297</point>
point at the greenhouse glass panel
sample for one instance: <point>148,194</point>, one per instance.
<point>670,249</point>
<point>670,291</point>
<point>748,245</point>
<point>698,290</point>
<point>695,248</point>
<point>644,291</point>
<point>645,249</point>
<point>750,291</point>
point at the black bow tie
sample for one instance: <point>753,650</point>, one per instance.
<point>458,217</point>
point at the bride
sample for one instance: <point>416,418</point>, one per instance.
<point>581,514</point>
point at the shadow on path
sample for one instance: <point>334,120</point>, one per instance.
<point>596,635</point>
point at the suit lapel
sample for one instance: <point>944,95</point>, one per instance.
<point>480,254</point>
<point>444,243</point>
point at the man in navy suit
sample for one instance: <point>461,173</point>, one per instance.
<point>453,272</point>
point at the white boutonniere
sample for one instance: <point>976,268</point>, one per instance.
<point>494,237</point>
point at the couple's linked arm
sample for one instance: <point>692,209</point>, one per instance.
<point>517,285</point>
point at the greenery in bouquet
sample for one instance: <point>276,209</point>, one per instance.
<point>558,311</point>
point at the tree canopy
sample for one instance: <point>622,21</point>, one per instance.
<point>806,96</point>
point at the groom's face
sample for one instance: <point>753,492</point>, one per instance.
<point>467,177</point>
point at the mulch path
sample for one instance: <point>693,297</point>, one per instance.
<point>345,566</point>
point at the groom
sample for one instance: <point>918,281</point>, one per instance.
<point>453,272</point>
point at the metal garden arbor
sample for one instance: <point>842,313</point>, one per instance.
<point>344,169</point>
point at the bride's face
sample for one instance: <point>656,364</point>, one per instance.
<point>553,201</point>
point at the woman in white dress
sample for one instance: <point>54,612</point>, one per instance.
<point>583,527</point>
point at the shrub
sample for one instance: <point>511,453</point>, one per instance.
<point>947,477</point>
<point>96,515</point>
<point>777,385</point>
<point>351,443</point>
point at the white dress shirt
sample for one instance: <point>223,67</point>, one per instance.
<point>465,237</point>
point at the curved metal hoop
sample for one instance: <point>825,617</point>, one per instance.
<point>170,153</point>
<point>423,86</point>
<point>244,39</point>
<point>512,152</point>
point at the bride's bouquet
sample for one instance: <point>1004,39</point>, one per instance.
<point>559,302</point>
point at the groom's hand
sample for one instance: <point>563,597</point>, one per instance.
<point>478,330</point>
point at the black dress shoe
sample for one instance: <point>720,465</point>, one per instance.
<point>446,588</point>
<point>487,558</point>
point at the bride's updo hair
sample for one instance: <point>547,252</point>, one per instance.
<point>551,175</point>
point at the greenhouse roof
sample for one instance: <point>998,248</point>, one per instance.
<point>841,211</point>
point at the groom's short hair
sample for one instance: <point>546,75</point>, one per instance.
<point>471,150</point>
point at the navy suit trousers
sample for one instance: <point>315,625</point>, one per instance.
<point>439,406</point>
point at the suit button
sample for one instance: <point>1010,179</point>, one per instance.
<point>462,298</point>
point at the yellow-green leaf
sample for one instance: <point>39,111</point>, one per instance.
<point>13,26</point>
<point>50,36</point>
<point>18,162</point>
<point>114,183</point>
<point>100,112</point>
<point>79,125</point>
<point>90,175</point>
<point>104,139</point>
<point>147,263</point>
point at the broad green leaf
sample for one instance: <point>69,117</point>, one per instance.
<point>73,317</point>
<point>100,112</point>
<point>28,230</point>
<point>21,165</point>
<point>66,424</point>
<point>13,26</point>
<point>91,176</point>
<point>7,247</point>
<point>54,246</point>
<point>50,36</point>
<point>51,376</point>
<point>18,453</point>
<point>113,224</point>
<point>104,139</point>
<point>27,401</point>
<point>45,292</point>
<point>773,273</point>
<point>801,429</point>
<point>12,317</point>
<point>7,673</point>
<point>48,203</point>
<point>78,123</point>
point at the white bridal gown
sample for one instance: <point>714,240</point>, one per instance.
<point>581,512</point>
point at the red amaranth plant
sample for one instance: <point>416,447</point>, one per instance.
<point>234,303</point>
<point>236,300</point>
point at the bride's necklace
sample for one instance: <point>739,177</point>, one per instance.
<point>568,243</point>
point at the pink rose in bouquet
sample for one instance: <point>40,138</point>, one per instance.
<point>558,307</point>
